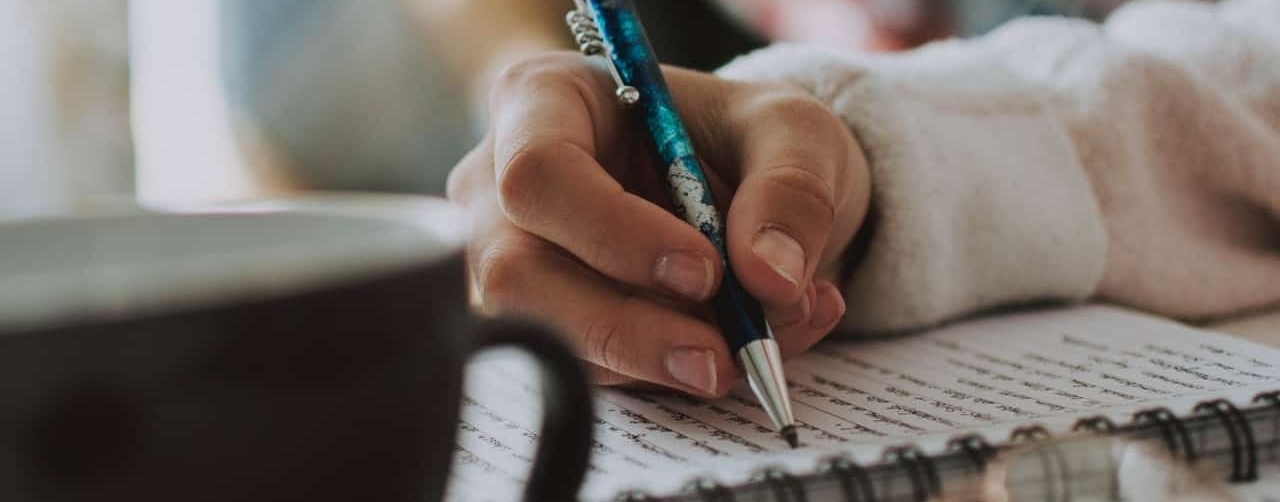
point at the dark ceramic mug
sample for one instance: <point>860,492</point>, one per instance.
<point>309,349</point>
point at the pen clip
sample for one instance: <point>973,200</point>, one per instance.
<point>587,35</point>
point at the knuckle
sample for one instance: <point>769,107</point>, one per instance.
<point>792,107</point>
<point>519,190</point>
<point>499,273</point>
<point>606,248</point>
<point>600,252</point>
<point>603,341</point>
<point>803,187</point>
<point>803,114</point>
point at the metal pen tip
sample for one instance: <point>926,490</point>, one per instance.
<point>789,433</point>
<point>762,362</point>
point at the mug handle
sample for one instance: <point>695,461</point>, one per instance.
<point>564,443</point>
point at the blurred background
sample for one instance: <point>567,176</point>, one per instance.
<point>106,101</point>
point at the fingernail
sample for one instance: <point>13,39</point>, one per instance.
<point>688,274</point>
<point>693,367</point>
<point>781,252</point>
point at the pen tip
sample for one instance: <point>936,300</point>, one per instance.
<point>789,433</point>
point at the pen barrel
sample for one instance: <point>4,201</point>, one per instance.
<point>637,65</point>
<point>740,316</point>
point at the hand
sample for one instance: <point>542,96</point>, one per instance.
<point>572,220</point>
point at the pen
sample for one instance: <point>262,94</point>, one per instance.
<point>611,28</point>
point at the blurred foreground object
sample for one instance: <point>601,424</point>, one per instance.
<point>64,106</point>
<point>300,349</point>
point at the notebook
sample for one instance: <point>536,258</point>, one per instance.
<point>899,418</point>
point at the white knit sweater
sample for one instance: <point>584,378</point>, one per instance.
<point>1136,162</point>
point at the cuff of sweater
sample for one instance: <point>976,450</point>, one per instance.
<point>980,197</point>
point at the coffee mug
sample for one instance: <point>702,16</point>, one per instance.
<point>306,349</point>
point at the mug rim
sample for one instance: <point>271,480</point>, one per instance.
<point>414,232</point>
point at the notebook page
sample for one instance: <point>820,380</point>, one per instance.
<point>985,376</point>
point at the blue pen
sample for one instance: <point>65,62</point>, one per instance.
<point>611,28</point>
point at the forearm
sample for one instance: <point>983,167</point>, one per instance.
<point>1056,160</point>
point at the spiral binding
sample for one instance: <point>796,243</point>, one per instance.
<point>1173,430</point>
<point>1055,464</point>
<point>1244,452</point>
<point>1268,397</point>
<point>633,496</point>
<point>925,482</point>
<point>1029,433</point>
<point>710,491</point>
<point>1272,399</point>
<point>1101,424</point>
<point>785,486</point>
<point>1098,424</point>
<point>975,447</point>
<point>856,482</point>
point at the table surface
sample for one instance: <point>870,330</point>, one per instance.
<point>1263,327</point>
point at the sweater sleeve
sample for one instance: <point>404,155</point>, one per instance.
<point>1056,160</point>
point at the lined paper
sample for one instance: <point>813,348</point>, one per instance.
<point>984,376</point>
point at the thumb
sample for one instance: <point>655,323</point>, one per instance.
<point>793,196</point>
